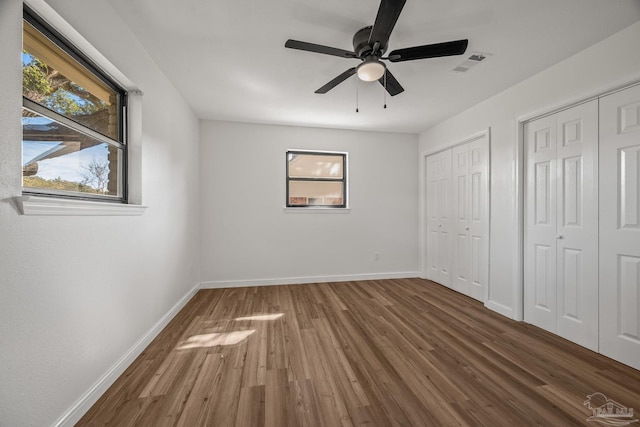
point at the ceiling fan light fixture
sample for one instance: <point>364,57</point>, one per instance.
<point>370,71</point>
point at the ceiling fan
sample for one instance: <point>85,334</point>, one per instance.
<point>370,43</point>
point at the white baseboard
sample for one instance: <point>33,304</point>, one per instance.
<point>307,279</point>
<point>500,309</point>
<point>73,414</point>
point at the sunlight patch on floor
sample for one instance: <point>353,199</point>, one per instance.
<point>212,340</point>
<point>261,317</point>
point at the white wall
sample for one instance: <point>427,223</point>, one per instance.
<point>614,61</point>
<point>76,293</point>
<point>247,237</point>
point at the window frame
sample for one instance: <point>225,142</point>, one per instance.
<point>32,17</point>
<point>343,180</point>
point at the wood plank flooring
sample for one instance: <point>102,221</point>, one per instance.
<point>378,353</point>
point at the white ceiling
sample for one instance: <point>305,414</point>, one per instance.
<point>228,59</point>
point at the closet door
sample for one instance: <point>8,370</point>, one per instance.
<point>461,272</point>
<point>471,217</point>
<point>479,214</point>
<point>620,226</point>
<point>540,223</point>
<point>438,219</point>
<point>561,235</point>
<point>577,225</point>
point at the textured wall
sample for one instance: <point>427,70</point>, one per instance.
<point>76,293</point>
<point>247,235</point>
<point>613,61</point>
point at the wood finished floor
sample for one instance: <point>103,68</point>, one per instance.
<point>378,353</point>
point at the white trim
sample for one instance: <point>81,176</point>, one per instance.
<point>134,147</point>
<point>422,213</point>
<point>309,279</point>
<point>59,24</point>
<point>518,223</point>
<point>487,297</point>
<point>37,205</point>
<point>304,150</point>
<point>318,210</point>
<point>470,138</point>
<point>577,100</point>
<point>73,414</point>
<point>499,308</point>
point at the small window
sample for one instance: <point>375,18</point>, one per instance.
<point>316,179</point>
<point>73,120</point>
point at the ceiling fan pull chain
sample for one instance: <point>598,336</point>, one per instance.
<point>357,99</point>
<point>385,89</point>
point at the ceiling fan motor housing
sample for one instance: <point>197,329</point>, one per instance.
<point>361,45</point>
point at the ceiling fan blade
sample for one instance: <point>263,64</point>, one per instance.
<point>388,14</point>
<point>436,50</point>
<point>335,82</point>
<point>318,48</point>
<point>393,86</point>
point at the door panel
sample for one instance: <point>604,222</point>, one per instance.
<point>544,202</point>
<point>476,196</point>
<point>629,183</point>
<point>561,217</point>
<point>620,226</point>
<point>544,278</point>
<point>438,220</point>
<point>471,217</point>
<point>479,216</point>
<point>462,272</point>
<point>540,223</point>
<point>461,212</point>
<point>572,279</point>
<point>572,176</point>
<point>432,218</point>
<point>477,259</point>
<point>577,226</point>
<point>461,196</point>
<point>629,289</point>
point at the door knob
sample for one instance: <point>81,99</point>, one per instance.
<point>559,237</point>
<point>467,228</point>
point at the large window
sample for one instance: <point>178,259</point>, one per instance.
<point>73,120</point>
<point>316,179</point>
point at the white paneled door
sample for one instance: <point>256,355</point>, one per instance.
<point>470,217</point>
<point>561,224</point>
<point>620,226</point>
<point>438,218</point>
<point>540,220</point>
<point>458,217</point>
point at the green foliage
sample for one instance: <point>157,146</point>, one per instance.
<point>48,87</point>
<point>63,103</point>
<point>35,84</point>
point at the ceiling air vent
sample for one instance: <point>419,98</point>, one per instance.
<point>474,59</point>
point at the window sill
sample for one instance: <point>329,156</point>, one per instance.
<point>318,210</point>
<point>35,205</point>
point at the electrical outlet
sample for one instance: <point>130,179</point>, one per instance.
<point>376,256</point>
